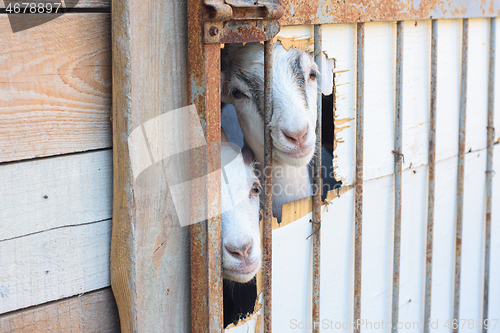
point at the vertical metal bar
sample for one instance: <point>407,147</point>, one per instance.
<point>318,50</point>
<point>431,179</point>
<point>460,174</point>
<point>489,168</point>
<point>268,184</point>
<point>206,237</point>
<point>398,167</point>
<point>358,215</point>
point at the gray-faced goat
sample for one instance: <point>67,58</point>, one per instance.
<point>293,124</point>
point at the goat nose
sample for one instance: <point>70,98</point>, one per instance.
<point>240,252</point>
<point>296,137</point>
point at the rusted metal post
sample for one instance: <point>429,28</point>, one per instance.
<point>431,178</point>
<point>489,168</point>
<point>268,184</point>
<point>460,175</point>
<point>398,167</point>
<point>358,215</point>
<point>318,50</point>
<point>206,237</point>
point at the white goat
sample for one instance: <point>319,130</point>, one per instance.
<point>293,124</point>
<point>241,252</point>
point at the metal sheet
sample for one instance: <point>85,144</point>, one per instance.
<point>398,166</point>
<point>268,185</point>
<point>460,175</point>
<point>318,50</point>
<point>431,179</point>
<point>358,215</point>
<point>489,169</point>
<point>299,12</point>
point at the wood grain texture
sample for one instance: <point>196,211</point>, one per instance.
<point>150,271</point>
<point>47,193</point>
<point>55,85</point>
<point>54,264</point>
<point>92,312</point>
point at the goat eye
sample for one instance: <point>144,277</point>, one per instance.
<point>256,188</point>
<point>236,93</point>
<point>313,74</point>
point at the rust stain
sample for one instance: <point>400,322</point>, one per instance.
<point>306,12</point>
<point>268,185</point>
<point>297,12</point>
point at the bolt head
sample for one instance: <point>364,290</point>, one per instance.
<point>213,31</point>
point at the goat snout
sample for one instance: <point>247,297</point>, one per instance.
<point>240,252</point>
<point>297,137</point>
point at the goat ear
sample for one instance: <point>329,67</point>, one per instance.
<point>327,67</point>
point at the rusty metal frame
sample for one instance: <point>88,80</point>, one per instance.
<point>398,168</point>
<point>237,26</point>
<point>206,237</point>
<point>489,168</point>
<point>234,21</point>
<point>431,179</point>
<point>460,174</point>
<point>360,82</point>
<point>268,185</point>
<point>318,51</point>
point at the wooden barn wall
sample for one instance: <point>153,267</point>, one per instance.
<point>337,246</point>
<point>56,174</point>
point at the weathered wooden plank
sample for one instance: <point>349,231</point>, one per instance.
<point>54,264</point>
<point>55,84</point>
<point>339,43</point>
<point>150,260</point>
<point>448,88</point>
<point>379,99</point>
<point>92,312</point>
<point>53,192</point>
<point>416,92</point>
<point>477,84</point>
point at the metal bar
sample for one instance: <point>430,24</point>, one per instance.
<point>460,175</point>
<point>318,49</point>
<point>431,179</point>
<point>358,216</point>
<point>268,184</point>
<point>398,167</point>
<point>299,12</point>
<point>206,237</point>
<point>489,169</point>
